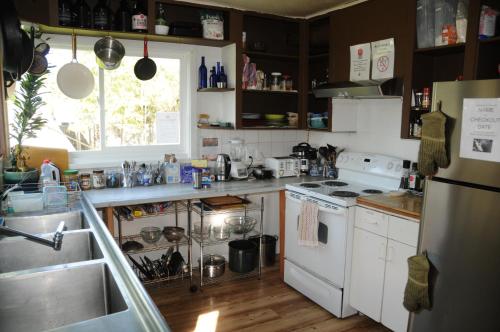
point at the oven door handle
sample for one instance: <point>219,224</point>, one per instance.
<point>338,211</point>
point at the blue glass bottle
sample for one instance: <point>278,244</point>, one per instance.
<point>223,78</point>
<point>217,75</point>
<point>212,82</point>
<point>202,74</point>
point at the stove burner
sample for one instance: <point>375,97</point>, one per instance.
<point>335,183</point>
<point>372,191</point>
<point>310,185</point>
<point>342,193</point>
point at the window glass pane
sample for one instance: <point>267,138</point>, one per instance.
<point>72,124</point>
<point>142,112</point>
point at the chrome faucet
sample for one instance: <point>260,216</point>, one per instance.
<point>56,242</point>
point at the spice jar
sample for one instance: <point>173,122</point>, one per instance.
<point>426,98</point>
<point>287,83</point>
<point>70,179</point>
<point>98,179</point>
<point>275,81</point>
<point>85,183</point>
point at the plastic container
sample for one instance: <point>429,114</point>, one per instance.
<point>444,17</point>
<point>26,202</point>
<point>50,175</point>
<point>70,178</point>
<point>425,23</point>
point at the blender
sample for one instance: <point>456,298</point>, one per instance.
<point>238,152</point>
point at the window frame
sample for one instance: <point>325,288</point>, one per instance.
<point>109,156</point>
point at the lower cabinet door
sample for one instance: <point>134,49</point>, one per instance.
<point>394,314</point>
<point>367,274</point>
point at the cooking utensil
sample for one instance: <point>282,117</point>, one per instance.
<point>74,79</point>
<point>132,246</point>
<point>109,53</point>
<point>12,39</point>
<point>274,117</point>
<point>268,254</point>
<point>173,234</point>
<point>140,268</point>
<point>241,224</point>
<point>28,51</point>
<point>39,65</point>
<point>150,234</point>
<point>223,202</point>
<point>145,68</point>
<point>213,265</point>
<point>221,232</point>
<point>242,256</point>
<point>176,264</point>
<point>262,173</point>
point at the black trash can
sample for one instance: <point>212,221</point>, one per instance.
<point>268,255</point>
<point>242,256</point>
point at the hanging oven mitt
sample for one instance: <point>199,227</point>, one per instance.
<point>416,295</point>
<point>432,153</point>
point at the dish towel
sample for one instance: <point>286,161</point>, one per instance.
<point>308,224</point>
<point>432,153</point>
<point>417,288</point>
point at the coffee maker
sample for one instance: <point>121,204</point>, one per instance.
<point>304,152</point>
<point>223,167</point>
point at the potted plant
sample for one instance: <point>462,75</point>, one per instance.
<point>26,124</point>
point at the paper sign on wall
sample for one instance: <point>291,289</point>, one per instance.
<point>480,136</point>
<point>383,59</point>
<point>167,127</point>
<point>360,62</point>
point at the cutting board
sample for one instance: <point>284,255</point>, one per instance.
<point>38,154</point>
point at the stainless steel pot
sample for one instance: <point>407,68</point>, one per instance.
<point>109,53</point>
<point>213,265</point>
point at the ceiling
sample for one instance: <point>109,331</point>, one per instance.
<point>291,8</point>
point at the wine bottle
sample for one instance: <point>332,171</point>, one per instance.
<point>139,17</point>
<point>81,14</point>
<point>213,79</point>
<point>161,27</point>
<point>65,16</point>
<point>123,17</point>
<point>202,74</point>
<point>223,78</point>
<point>101,16</point>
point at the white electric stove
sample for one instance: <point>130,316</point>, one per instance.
<point>322,273</point>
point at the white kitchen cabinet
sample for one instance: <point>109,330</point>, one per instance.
<point>367,272</point>
<point>394,314</point>
<point>381,247</point>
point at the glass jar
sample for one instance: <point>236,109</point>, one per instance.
<point>275,81</point>
<point>98,179</point>
<point>70,179</point>
<point>287,83</point>
<point>85,182</point>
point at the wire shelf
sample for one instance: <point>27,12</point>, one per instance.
<point>207,211</point>
<point>170,210</point>
<point>227,276</point>
<point>184,276</point>
<point>162,243</point>
<point>209,240</point>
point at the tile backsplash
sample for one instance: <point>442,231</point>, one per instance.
<point>260,143</point>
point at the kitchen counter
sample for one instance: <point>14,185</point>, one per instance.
<point>407,205</point>
<point>173,192</point>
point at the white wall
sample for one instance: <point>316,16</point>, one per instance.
<point>378,129</point>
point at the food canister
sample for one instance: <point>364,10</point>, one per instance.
<point>275,81</point>
<point>70,179</point>
<point>98,179</point>
<point>196,178</point>
<point>85,182</point>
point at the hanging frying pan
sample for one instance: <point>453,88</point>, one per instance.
<point>74,79</point>
<point>12,39</point>
<point>145,68</point>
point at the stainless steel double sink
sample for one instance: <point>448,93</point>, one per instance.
<point>43,289</point>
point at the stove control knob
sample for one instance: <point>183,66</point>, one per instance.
<point>390,165</point>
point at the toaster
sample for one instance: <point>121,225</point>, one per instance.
<point>283,166</point>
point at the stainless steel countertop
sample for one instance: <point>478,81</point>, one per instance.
<point>174,192</point>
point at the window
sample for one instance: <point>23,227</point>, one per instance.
<point>122,115</point>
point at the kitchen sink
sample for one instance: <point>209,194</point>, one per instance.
<point>17,253</point>
<point>46,223</point>
<point>54,298</point>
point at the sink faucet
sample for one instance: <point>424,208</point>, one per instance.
<point>55,243</point>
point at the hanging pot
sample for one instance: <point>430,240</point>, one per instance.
<point>74,79</point>
<point>12,38</point>
<point>109,53</point>
<point>145,68</point>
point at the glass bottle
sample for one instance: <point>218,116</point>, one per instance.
<point>161,27</point>
<point>414,178</point>
<point>101,15</point>
<point>123,17</point>
<point>81,14</point>
<point>222,78</point>
<point>405,174</point>
<point>202,74</point>
<point>426,98</point>
<point>212,82</point>
<point>65,16</point>
<point>139,17</point>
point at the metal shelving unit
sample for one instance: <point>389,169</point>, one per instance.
<point>162,244</point>
<point>203,211</point>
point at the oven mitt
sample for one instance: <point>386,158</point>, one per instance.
<point>432,153</point>
<point>416,295</point>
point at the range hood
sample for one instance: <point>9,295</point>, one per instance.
<point>392,88</point>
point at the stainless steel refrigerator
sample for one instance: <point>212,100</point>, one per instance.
<point>460,227</point>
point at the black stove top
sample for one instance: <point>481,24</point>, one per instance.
<point>334,183</point>
<point>310,185</point>
<point>372,191</point>
<point>342,193</point>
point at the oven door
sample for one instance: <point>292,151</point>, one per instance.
<point>327,261</point>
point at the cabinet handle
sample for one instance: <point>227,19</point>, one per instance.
<point>381,252</point>
<point>390,252</point>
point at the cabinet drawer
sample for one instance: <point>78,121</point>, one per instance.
<point>403,230</point>
<point>371,221</point>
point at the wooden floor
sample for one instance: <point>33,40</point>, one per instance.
<point>251,305</point>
